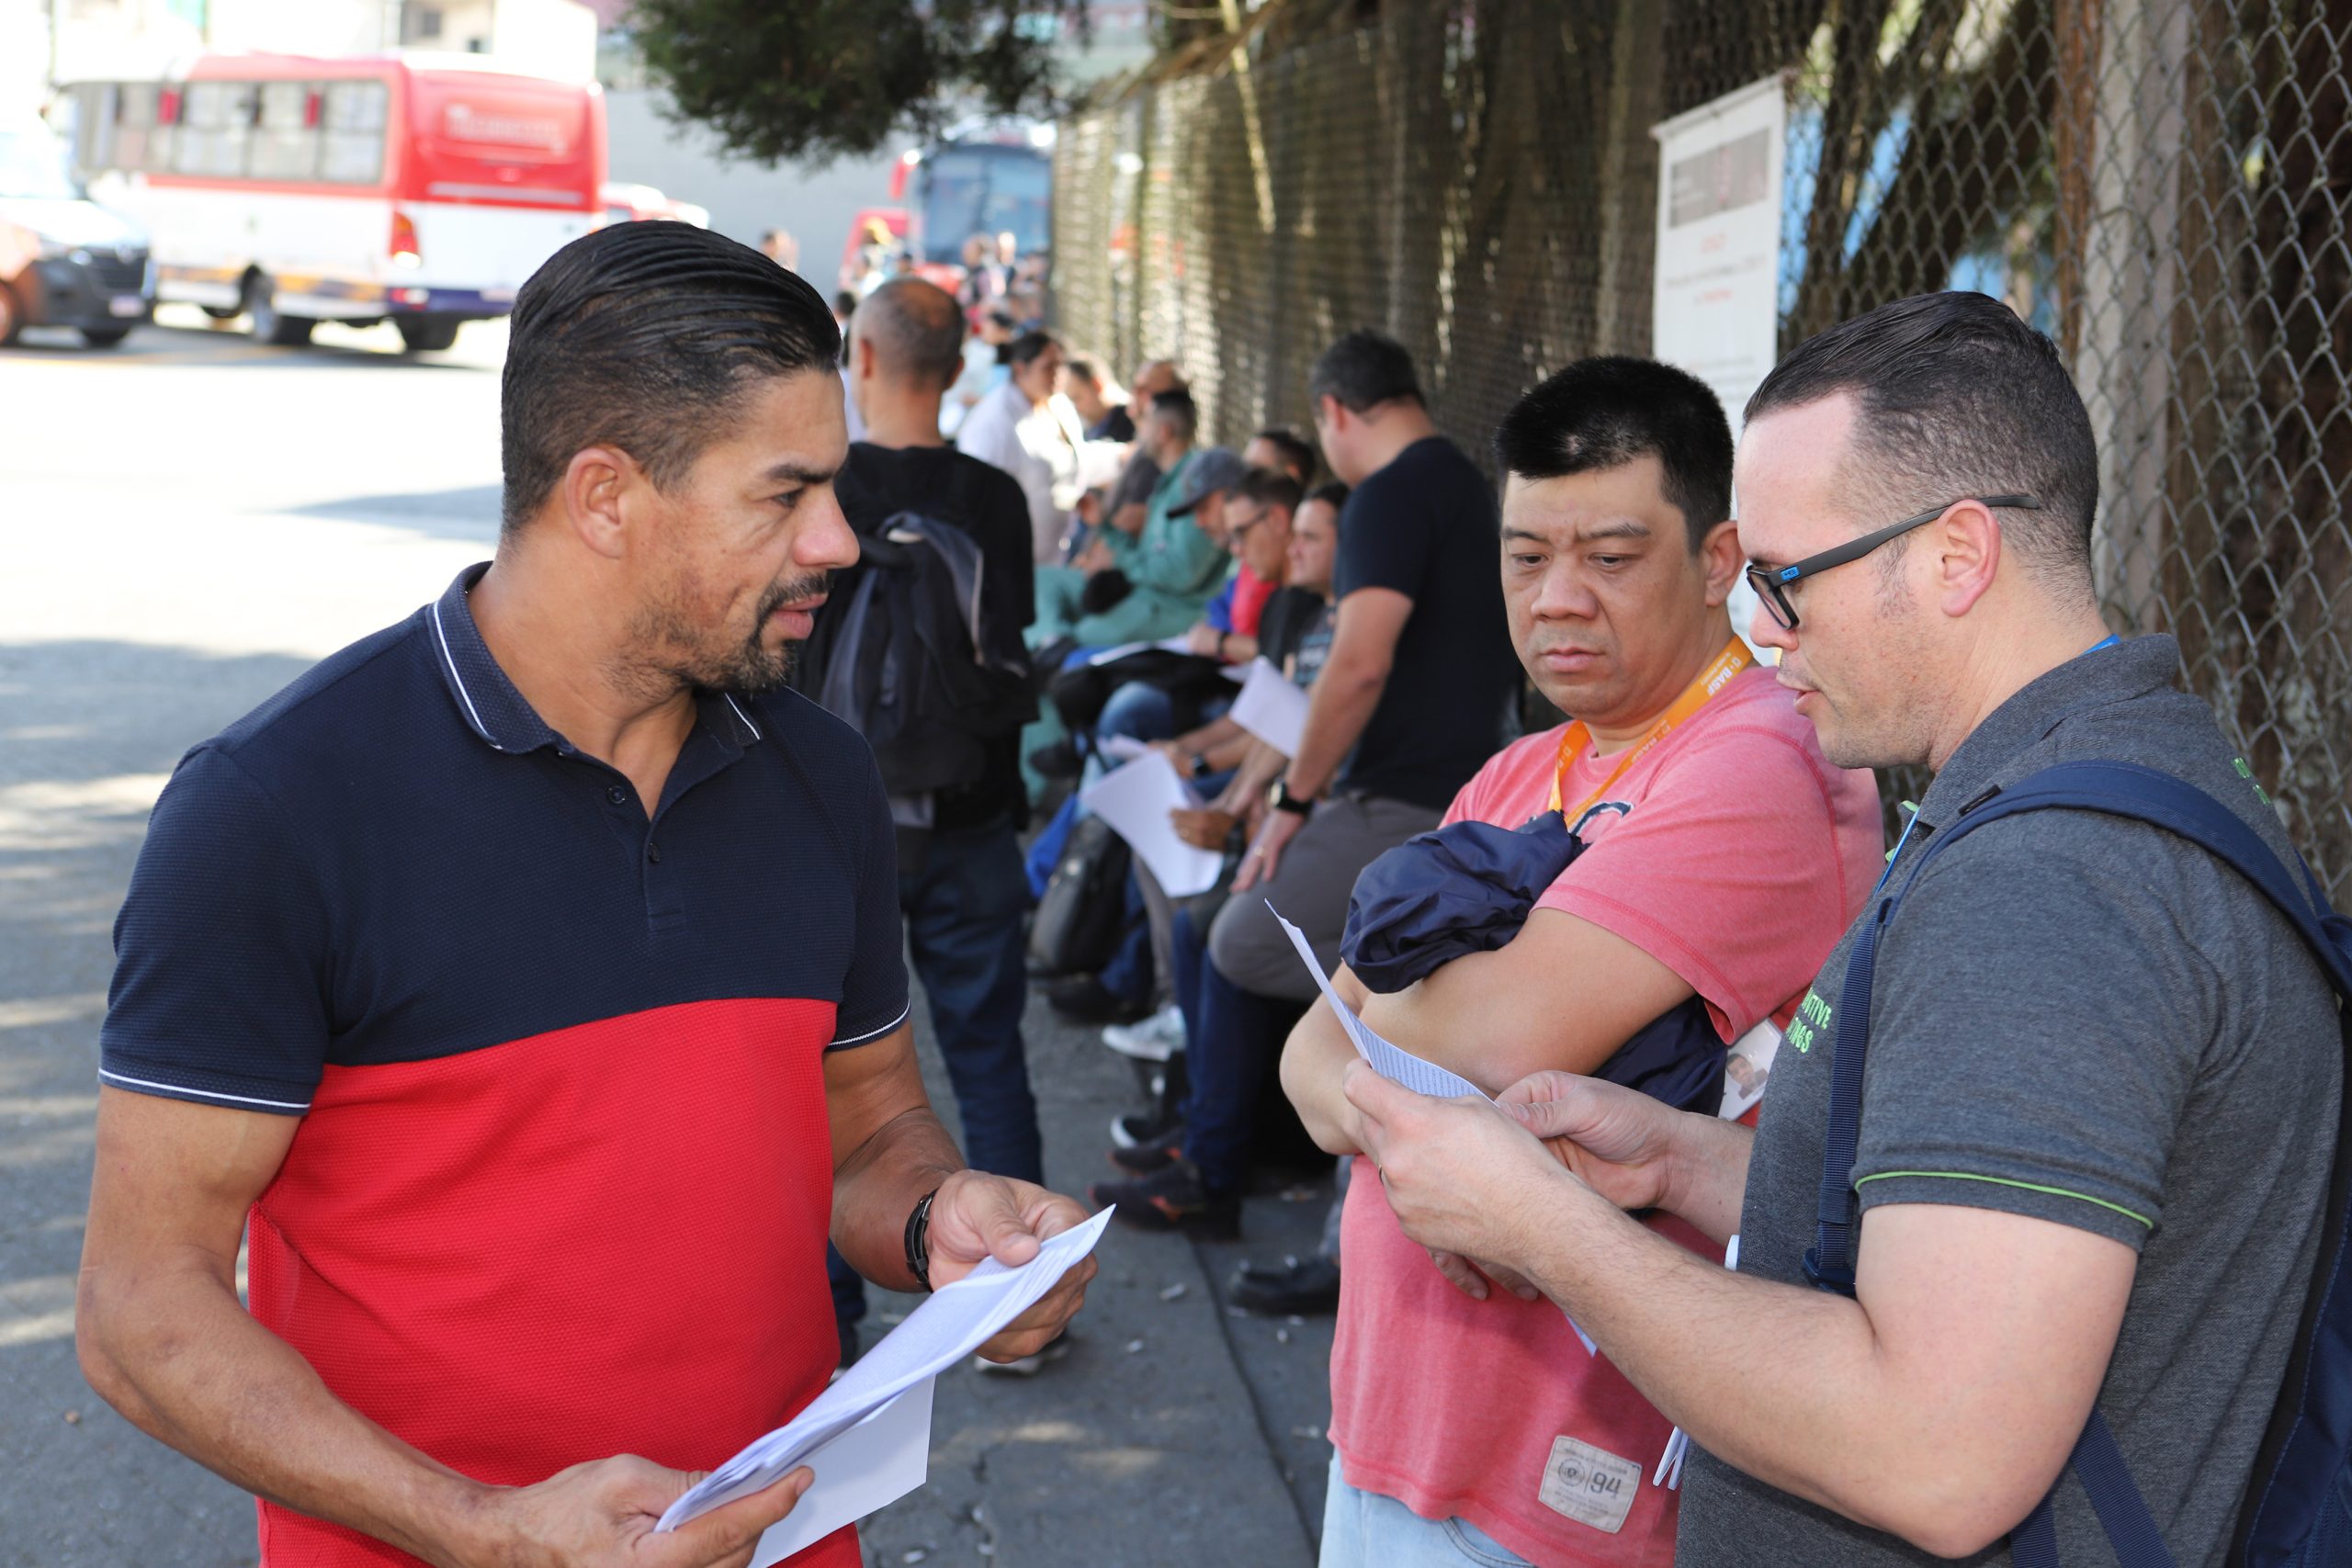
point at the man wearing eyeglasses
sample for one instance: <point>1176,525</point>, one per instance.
<point>2101,1100</point>
<point>1720,857</point>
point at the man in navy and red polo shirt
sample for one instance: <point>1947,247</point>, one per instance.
<point>531,984</point>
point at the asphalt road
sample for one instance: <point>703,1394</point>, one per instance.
<point>188,521</point>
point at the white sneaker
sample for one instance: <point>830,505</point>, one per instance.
<point>1155,1039</point>
<point>1027,1366</point>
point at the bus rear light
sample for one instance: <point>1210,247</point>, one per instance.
<point>167,106</point>
<point>412,295</point>
<point>403,245</point>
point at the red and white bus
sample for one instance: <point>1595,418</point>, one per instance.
<point>422,190</point>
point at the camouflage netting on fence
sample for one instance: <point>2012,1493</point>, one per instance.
<point>2161,185</point>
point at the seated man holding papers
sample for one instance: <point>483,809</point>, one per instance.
<point>1722,857</point>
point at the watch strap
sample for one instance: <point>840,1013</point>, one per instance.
<point>919,1240</point>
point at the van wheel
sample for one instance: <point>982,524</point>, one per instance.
<point>12,316</point>
<point>104,337</point>
<point>425,335</point>
<point>268,326</point>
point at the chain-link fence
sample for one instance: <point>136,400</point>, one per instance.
<point>2161,185</point>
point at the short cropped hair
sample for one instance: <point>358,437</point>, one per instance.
<point>645,337</point>
<point>1602,413</point>
<point>1082,370</point>
<point>1363,370</point>
<point>917,331</point>
<point>1298,453</point>
<point>1178,407</point>
<point>1270,488</point>
<point>1955,398</point>
<point>1335,494</point>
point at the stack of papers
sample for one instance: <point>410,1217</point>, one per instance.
<point>1135,800</point>
<point>1271,707</point>
<point>869,1437</point>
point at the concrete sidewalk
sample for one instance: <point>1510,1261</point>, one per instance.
<point>1177,1431</point>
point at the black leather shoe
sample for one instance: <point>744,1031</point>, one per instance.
<point>1309,1288</point>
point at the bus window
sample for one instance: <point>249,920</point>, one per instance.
<point>984,189</point>
<point>285,145</point>
<point>354,116</point>
<point>215,125</point>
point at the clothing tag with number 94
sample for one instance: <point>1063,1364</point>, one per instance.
<point>1590,1486</point>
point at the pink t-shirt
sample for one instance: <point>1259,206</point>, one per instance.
<point>1738,863</point>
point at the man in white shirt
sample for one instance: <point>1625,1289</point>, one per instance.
<point>1022,428</point>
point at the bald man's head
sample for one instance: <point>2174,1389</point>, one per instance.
<point>916,331</point>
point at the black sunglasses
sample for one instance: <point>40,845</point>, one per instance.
<point>1771,582</point>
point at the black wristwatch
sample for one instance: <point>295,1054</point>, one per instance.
<point>1200,765</point>
<point>1285,801</point>
<point>919,1240</point>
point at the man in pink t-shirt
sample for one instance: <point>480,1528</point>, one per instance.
<point>1724,856</point>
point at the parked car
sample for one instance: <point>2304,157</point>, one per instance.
<point>64,260</point>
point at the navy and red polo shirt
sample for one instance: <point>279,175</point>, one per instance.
<point>563,1178</point>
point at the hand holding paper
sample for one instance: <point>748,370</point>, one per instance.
<point>869,1433</point>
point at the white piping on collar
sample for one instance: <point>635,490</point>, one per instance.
<point>468,697</point>
<point>741,715</point>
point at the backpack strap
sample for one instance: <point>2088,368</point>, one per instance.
<point>2119,789</point>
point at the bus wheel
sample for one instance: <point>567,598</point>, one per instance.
<point>287,331</point>
<point>425,335</point>
<point>12,317</point>
<point>222,313</point>
<point>104,337</point>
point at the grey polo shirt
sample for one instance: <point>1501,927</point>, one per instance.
<point>2084,1020</point>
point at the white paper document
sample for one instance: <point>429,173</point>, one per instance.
<point>1271,707</point>
<point>1391,1062</point>
<point>1166,645</point>
<point>1123,748</point>
<point>1135,800</point>
<point>868,1436</point>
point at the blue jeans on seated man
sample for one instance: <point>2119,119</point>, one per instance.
<point>1367,1530</point>
<point>964,907</point>
<point>1233,1046</point>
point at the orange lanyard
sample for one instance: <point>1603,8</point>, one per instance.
<point>1734,658</point>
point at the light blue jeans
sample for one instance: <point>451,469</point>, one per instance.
<point>1364,1529</point>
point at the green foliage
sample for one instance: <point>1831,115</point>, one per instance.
<point>814,79</point>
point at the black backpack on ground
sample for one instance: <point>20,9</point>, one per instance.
<point>904,658</point>
<point>1083,913</point>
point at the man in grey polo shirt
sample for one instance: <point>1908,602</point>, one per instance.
<point>2101,1100</point>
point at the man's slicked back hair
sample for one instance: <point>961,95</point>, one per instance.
<point>1602,413</point>
<point>1955,398</point>
<point>1363,370</point>
<point>646,336</point>
<point>917,331</point>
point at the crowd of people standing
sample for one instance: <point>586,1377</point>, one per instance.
<point>1784,1198</point>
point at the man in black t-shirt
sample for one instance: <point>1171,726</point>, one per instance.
<point>1414,696</point>
<point>960,881</point>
